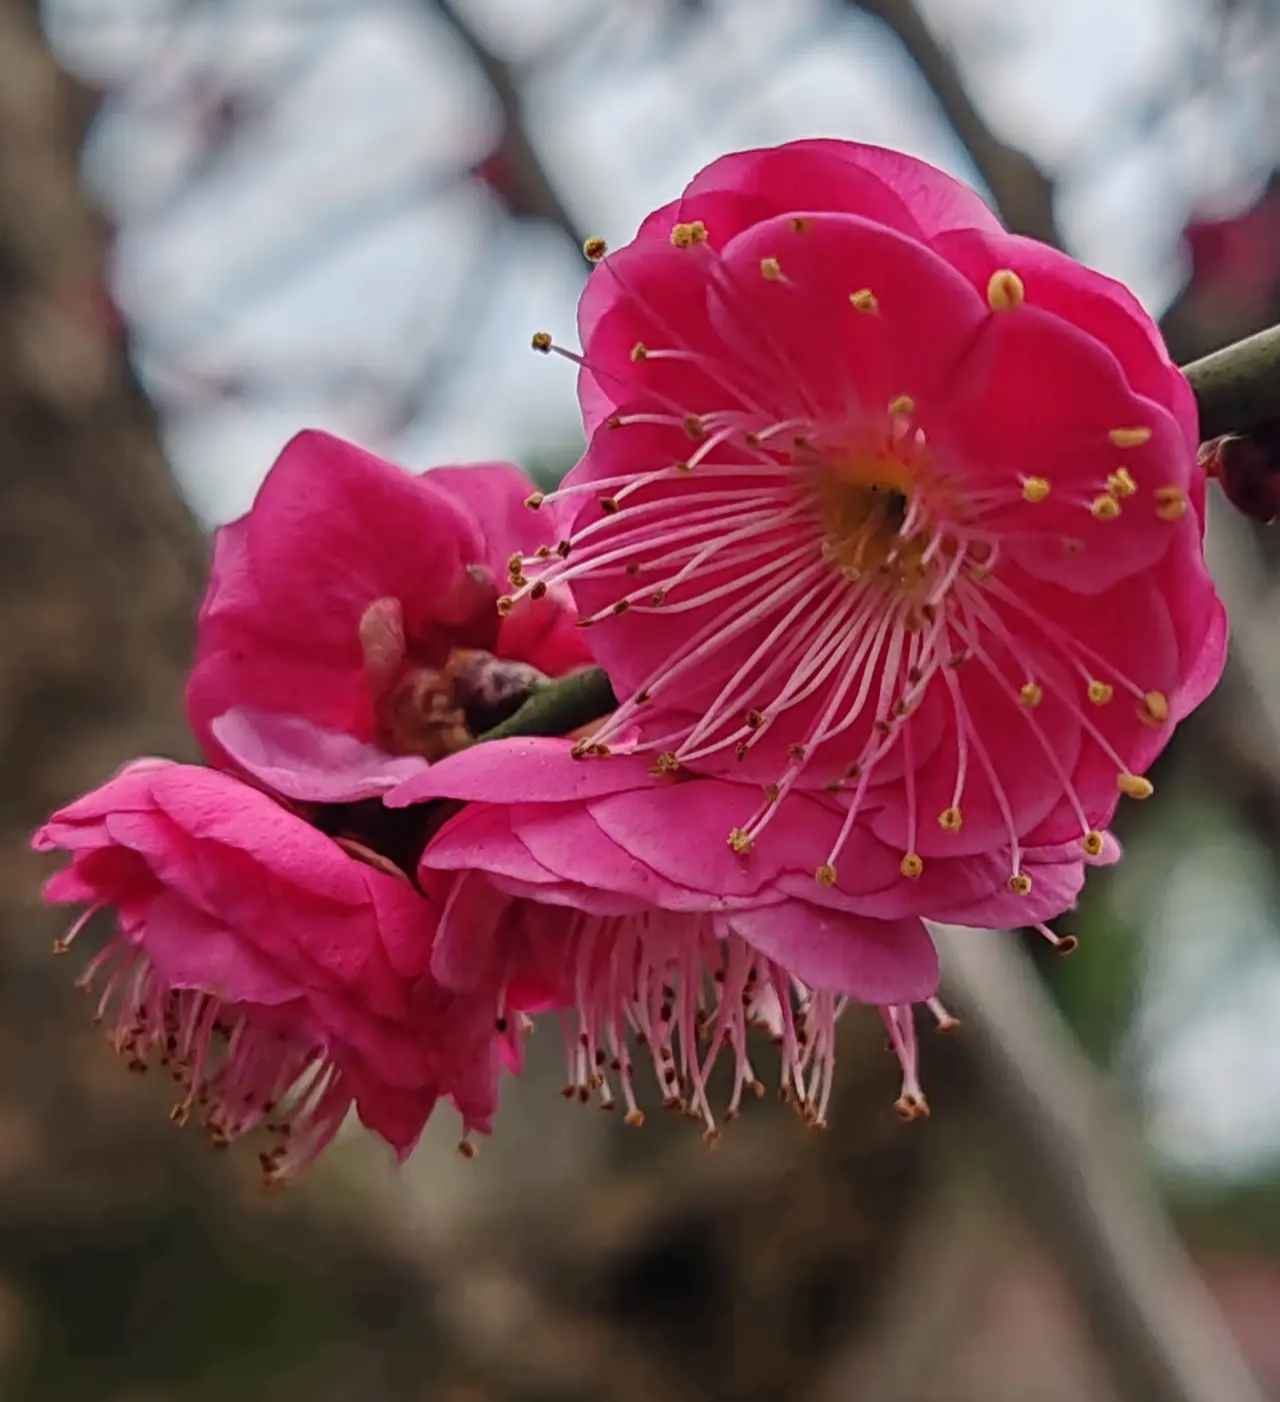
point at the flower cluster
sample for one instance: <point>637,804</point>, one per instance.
<point>889,538</point>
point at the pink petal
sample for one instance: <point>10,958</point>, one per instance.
<point>872,961</point>
<point>304,762</point>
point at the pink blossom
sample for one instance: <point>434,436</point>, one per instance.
<point>672,934</point>
<point>883,501</point>
<point>350,630</point>
<point>281,978</point>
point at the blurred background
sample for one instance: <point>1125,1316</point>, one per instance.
<point>222,220</point>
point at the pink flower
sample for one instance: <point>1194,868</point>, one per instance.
<point>881,500</point>
<point>279,977</point>
<point>671,934</point>
<point>350,629</point>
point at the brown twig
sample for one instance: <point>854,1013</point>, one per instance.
<point>1021,191</point>
<point>529,191</point>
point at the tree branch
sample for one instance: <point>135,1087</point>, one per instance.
<point>530,192</point>
<point>1238,387</point>
<point>1076,1170</point>
<point>1021,191</point>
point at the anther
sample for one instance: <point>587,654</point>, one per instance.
<point>539,589</point>
<point>825,875</point>
<point>864,300</point>
<point>686,235</point>
<point>1035,489</point>
<point>1104,507</point>
<point>638,352</point>
<point>796,752</point>
<point>1020,883</point>
<point>594,249</point>
<point>505,604</point>
<point>1100,692</point>
<point>694,427</point>
<point>541,342</point>
<point>533,501</point>
<point>1129,437</point>
<point>754,720</point>
<point>1171,503</point>
<point>666,763</point>
<point>1121,484</point>
<point>620,607</point>
<point>467,1149</point>
<point>1005,290</point>
<point>633,1119</point>
<point>951,819</point>
<point>801,224</point>
<point>1134,786</point>
<point>1031,694</point>
<point>770,269</point>
<point>1092,843</point>
<point>902,405</point>
<point>740,840</point>
<point>911,865</point>
<point>771,792</point>
<point>1155,708</point>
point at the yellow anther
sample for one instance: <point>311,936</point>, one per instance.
<point>1129,437</point>
<point>1105,507</point>
<point>541,342</point>
<point>1100,692</point>
<point>912,865</point>
<point>1020,883</point>
<point>1121,484</point>
<point>740,840</point>
<point>1031,694</point>
<point>686,235</point>
<point>1171,503</point>
<point>950,819</point>
<point>595,249</point>
<point>801,224</point>
<point>506,604</point>
<point>1134,786</point>
<point>639,352</point>
<point>902,406</point>
<point>1005,290</point>
<point>1035,489</point>
<point>1092,844</point>
<point>864,300</point>
<point>533,501</point>
<point>825,875</point>
<point>1155,708</point>
<point>694,427</point>
<point>666,763</point>
<point>770,269</point>
<point>633,1119</point>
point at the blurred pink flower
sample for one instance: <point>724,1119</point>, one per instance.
<point>280,978</point>
<point>350,632</point>
<point>884,501</point>
<point>670,934</point>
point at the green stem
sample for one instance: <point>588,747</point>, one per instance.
<point>1238,387</point>
<point>560,707</point>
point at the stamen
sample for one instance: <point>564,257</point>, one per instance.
<point>1005,290</point>
<point>1134,786</point>
<point>864,300</point>
<point>1129,437</point>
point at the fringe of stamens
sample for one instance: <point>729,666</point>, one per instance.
<point>238,1072</point>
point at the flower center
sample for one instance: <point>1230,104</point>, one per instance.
<point>864,507</point>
